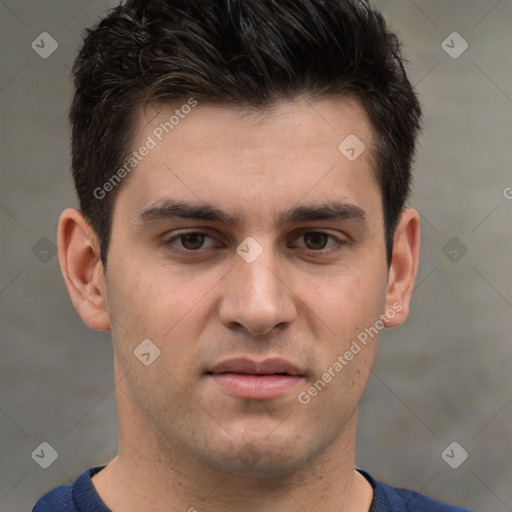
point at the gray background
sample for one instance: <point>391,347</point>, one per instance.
<point>444,376</point>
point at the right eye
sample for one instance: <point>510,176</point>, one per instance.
<point>191,241</point>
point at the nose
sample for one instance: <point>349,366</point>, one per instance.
<point>256,297</point>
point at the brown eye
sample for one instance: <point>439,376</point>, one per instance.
<point>315,240</point>
<point>184,242</point>
<point>319,242</point>
<point>192,241</point>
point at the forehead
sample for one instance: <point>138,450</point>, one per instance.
<point>252,163</point>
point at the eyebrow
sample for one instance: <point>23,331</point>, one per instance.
<point>169,209</point>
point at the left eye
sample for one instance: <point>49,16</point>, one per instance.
<point>316,240</point>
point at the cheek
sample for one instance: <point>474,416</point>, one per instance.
<point>346,311</point>
<point>347,302</point>
<point>159,304</point>
<point>146,299</point>
<point>168,311</point>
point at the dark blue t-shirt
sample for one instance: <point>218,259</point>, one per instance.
<point>82,497</point>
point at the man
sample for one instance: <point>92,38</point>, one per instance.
<point>242,169</point>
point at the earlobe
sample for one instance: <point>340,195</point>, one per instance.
<point>404,267</point>
<point>81,267</point>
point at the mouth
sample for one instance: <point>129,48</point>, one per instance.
<point>252,380</point>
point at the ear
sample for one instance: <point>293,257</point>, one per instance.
<point>404,266</point>
<point>79,258</point>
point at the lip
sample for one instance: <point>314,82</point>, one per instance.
<point>251,367</point>
<point>256,380</point>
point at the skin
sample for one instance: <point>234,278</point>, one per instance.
<point>184,443</point>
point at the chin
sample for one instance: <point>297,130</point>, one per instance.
<point>261,458</point>
<point>250,464</point>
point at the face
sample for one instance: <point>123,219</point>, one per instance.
<point>250,250</point>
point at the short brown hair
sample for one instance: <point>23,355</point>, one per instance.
<point>246,53</point>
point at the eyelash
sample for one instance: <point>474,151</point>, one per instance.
<point>168,244</point>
